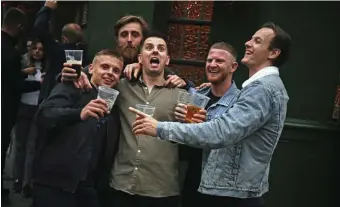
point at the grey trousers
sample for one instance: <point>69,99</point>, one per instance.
<point>25,135</point>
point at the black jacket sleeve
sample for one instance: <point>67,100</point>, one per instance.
<point>41,29</point>
<point>59,110</point>
<point>189,84</point>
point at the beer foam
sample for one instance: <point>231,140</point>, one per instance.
<point>74,62</point>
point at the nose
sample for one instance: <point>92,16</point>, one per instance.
<point>129,39</point>
<point>155,51</point>
<point>247,44</point>
<point>213,64</point>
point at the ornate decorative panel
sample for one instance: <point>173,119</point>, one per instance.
<point>193,73</point>
<point>188,42</point>
<point>200,10</point>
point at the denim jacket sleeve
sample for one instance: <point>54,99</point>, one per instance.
<point>248,114</point>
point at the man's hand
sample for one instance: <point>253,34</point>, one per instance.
<point>144,124</point>
<point>203,85</point>
<point>51,4</point>
<point>29,71</point>
<point>96,108</point>
<point>181,112</point>
<point>200,117</point>
<point>70,74</point>
<point>132,69</point>
<point>175,81</point>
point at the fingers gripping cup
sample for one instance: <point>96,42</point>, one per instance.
<point>75,57</point>
<point>108,94</point>
<point>197,103</point>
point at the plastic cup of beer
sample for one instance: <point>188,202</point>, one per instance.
<point>146,109</point>
<point>197,103</point>
<point>75,57</point>
<point>184,97</point>
<point>108,94</point>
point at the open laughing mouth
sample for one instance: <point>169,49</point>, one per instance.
<point>154,62</point>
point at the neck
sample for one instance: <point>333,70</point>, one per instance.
<point>221,88</point>
<point>93,83</point>
<point>151,81</point>
<point>255,69</point>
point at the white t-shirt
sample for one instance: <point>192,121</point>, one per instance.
<point>31,98</point>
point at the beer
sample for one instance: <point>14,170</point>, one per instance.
<point>190,112</point>
<point>76,65</point>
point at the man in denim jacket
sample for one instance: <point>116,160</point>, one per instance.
<point>249,130</point>
<point>220,66</point>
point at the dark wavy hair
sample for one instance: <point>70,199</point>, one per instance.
<point>43,59</point>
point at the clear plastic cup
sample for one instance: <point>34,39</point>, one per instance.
<point>75,57</point>
<point>108,94</point>
<point>184,97</point>
<point>146,109</point>
<point>197,103</point>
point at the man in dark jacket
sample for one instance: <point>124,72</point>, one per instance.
<point>12,79</point>
<point>74,145</point>
<point>72,39</point>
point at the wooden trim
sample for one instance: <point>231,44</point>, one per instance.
<point>189,21</point>
<point>187,62</point>
<point>310,125</point>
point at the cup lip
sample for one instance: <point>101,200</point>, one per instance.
<point>145,106</point>
<point>74,50</point>
<point>108,89</point>
<point>201,96</point>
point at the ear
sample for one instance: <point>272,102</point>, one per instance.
<point>234,67</point>
<point>167,60</point>
<point>274,54</point>
<point>140,58</point>
<point>64,39</point>
<point>91,69</point>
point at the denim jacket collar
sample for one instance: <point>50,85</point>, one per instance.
<point>228,96</point>
<point>271,70</point>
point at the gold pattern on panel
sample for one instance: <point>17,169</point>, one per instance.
<point>195,74</point>
<point>195,41</point>
<point>192,9</point>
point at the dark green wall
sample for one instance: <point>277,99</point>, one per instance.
<point>102,17</point>
<point>311,74</point>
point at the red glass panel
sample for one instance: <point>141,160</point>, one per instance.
<point>174,41</point>
<point>195,74</point>
<point>207,10</point>
<point>192,9</point>
<point>195,41</point>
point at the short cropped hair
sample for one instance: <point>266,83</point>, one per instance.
<point>73,32</point>
<point>152,33</point>
<point>281,41</point>
<point>14,16</point>
<point>225,46</point>
<point>108,52</point>
<point>130,19</point>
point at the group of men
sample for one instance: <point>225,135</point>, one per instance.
<point>89,156</point>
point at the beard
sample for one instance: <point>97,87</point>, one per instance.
<point>129,53</point>
<point>217,80</point>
